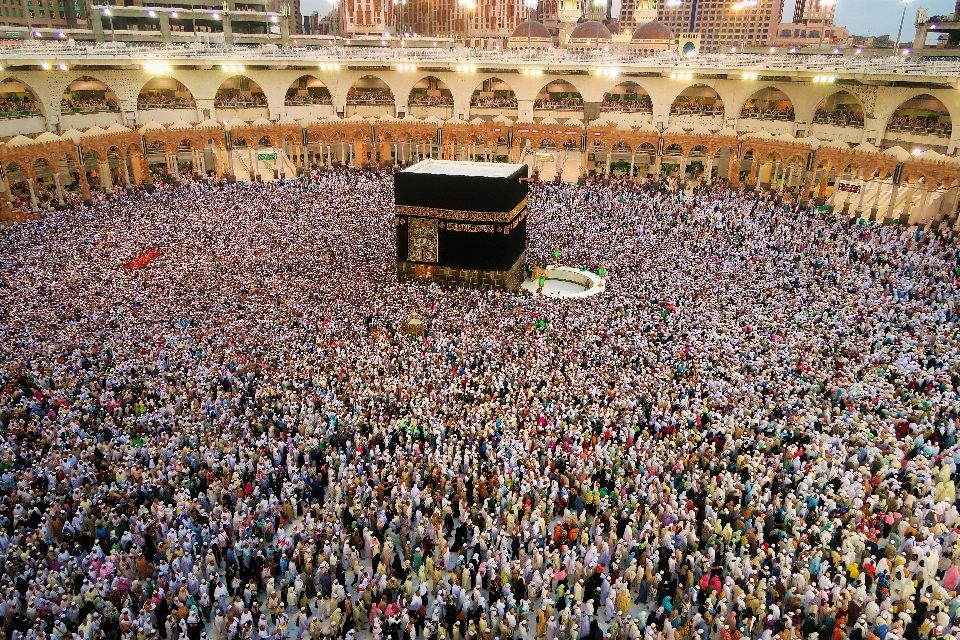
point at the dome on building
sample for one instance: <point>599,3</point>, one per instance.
<point>653,30</point>
<point>530,34</point>
<point>531,29</point>
<point>591,30</point>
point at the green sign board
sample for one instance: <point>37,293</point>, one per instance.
<point>12,34</point>
<point>267,156</point>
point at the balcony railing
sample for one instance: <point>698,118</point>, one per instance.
<point>20,113</point>
<point>89,108</point>
<point>920,130</point>
<point>166,105</point>
<point>127,53</point>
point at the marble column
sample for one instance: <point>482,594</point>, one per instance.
<point>105,178</point>
<point>33,195</point>
<point>924,194</point>
<point>863,193</point>
<point>56,181</point>
<point>824,182</point>
<point>893,200</point>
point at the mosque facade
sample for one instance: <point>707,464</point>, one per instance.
<point>853,140</point>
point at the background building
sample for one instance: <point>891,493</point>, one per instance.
<point>599,10</point>
<point>484,24</point>
<point>634,13</point>
<point>318,25</point>
<point>53,14</point>
<point>947,26</point>
<point>724,24</point>
<point>823,10</point>
<point>547,14</point>
<point>207,20</point>
<point>288,10</point>
<point>365,17</point>
<point>812,27</point>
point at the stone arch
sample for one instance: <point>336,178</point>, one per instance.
<point>115,160</point>
<point>698,99</point>
<point>769,100</point>
<point>429,94</point>
<point>290,138</point>
<point>91,151</point>
<point>797,158</point>
<point>559,94</point>
<point>494,93</point>
<point>15,171</point>
<point>134,150</point>
<point>838,108</point>
<point>197,82</point>
<point>87,92</point>
<point>698,157</point>
<point>624,97</point>
<point>68,163</point>
<point>547,143</point>
<point>165,92</point>
<point>91,165</point>
<point>51,87</point>
<point>370,95</point>
<point>15,98</point>
<point>369,85</point>
<point>644,157</point>
<point>240,91</point>
<point>307,90</point>
<point>921,113</point>
<point>42,168</point>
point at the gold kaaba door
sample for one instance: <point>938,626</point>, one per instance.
<point>424,272</point>
<point>422,240</point>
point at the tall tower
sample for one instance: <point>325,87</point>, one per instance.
<point>598,10</point>
<point>569,13</point>
<point>815,10</point>
<point>634,13</point>
<point>725,24</point>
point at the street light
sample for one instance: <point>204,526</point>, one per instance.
<point>109,14</point>
<point>896,47</point>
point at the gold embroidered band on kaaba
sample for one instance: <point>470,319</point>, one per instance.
<point>454,214</point>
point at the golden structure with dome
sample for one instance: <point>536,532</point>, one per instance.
<point>651,38</point>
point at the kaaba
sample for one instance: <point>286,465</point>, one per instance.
<point>462,223</point>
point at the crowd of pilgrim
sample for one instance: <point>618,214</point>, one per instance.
<point>750,434</point>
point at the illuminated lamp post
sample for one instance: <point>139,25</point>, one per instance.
<point>896,47</point>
